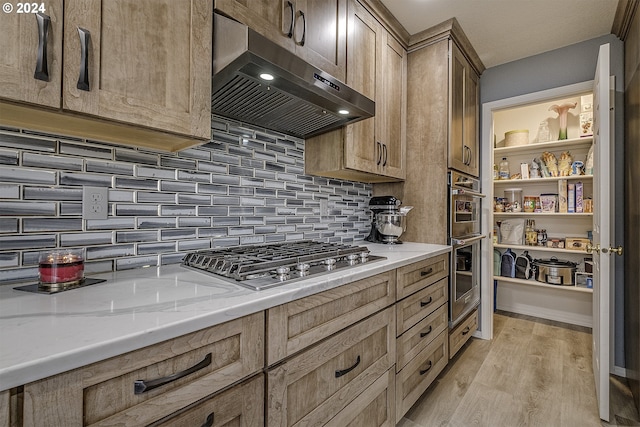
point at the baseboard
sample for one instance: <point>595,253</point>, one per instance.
<point>558,316</point>
<point>619,371</point>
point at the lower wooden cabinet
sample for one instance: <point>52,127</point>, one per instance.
<point>241,406</point>
<point>415,307</point>
<point>412,342</point>
<point>375,407</point>
<point>419,373</point>
<point>150,384</point>
<point>314,386</point>
<point>459,335</point>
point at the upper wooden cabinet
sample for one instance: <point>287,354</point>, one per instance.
<point>371,150</point>
<point>145,63</point>
<point>314,29</point>
<point>31,60</point>
<point>464,146</point>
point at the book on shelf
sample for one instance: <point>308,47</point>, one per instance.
<point>562,195</point>
<point>571,197</point>
<point>579,197</point>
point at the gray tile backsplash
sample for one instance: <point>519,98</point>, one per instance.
<point>246,186</point>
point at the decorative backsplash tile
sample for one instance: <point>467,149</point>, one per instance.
<point>246,186</point>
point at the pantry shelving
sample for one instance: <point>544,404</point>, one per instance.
<point>570,303</point>
<point>532,282</point>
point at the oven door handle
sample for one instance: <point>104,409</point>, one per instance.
<point>461,191</point>
<point>464,242</point>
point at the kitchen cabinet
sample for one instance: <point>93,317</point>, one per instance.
<point>464,123</point>
<point>459,335</point>
<point>434,120</point>
<point>122,70</point>
<point>31,63</point>
<point>313,29</point>
<point>204,363</point>
<point>296,325</point>
<point>421,328</point>
<point>371,150</point>
<point>242,404</point>
<point>323,338</point>
<point>314,386</point>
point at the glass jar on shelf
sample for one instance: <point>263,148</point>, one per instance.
<point>544,135</point>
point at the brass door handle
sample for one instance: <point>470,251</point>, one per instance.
<point>590,248</point>
<point>617,250</point>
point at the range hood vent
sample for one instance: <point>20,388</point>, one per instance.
<point>301,100</point>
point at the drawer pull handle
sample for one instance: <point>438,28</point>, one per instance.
<point>290,33</point>
<point>429,301</point>
<point>424,334</point>
<point>342,372</point>
<point>83,77</point>
<point>42,68</point>
<point>466,330</point>
<point>424,371</point>
<point>209,421</point>
<point>142,386</point>
<point>426,273</point>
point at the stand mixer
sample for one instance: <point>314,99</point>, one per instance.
<point>388,220</point>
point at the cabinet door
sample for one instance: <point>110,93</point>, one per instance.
<point>19,45</point>
<point>471,122</point>
<point>320,34</point>
<point>272,19</point>
<point>314,386</point>
<point>392,123</point>
<point>362,149</point>
<point>148,62</point>
<point>457,152</point>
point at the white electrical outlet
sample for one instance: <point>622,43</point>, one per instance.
<point>95,202</point>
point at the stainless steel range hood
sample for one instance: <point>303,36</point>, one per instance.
<point>301,100</point>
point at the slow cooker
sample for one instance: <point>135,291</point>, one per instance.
<point>555,271</point>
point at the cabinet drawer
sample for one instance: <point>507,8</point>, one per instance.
<point>242,406</point>
<point>461,333</point>
<point>419,305</point>
<point>413,277</point>
<point>375,407</point>
<point>298,324</point>
<point>419,373</point>
<point>314,386</point>
<point>420,336</point>
<point>223,354</point>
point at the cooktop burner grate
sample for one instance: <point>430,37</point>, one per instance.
<point>264,266</point>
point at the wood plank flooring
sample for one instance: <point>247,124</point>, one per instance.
<point>534,372</point>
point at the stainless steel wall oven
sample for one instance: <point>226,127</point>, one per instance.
<point>464,235</point>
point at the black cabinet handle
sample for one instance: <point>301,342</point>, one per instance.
<point>466,330</point>
<point>384,147</point>
<point>83,78</point>
<point>304,28</point>
<point>142,386</point>
<point>209,421</point>
<point>342,372</point>
<point>379,146</point>
<point>426,273</point>
<point>424,334</point>
<point>290,33</point>
<point>424,371</point>
<point>42,66</point>
<point>429,301</point>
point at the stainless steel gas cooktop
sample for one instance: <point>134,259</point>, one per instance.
<point>264,266</point>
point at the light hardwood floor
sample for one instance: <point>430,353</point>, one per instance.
<point>534,372</point>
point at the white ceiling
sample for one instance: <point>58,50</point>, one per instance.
<point>502,31</point>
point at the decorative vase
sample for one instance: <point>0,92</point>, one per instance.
<point>562,111</point>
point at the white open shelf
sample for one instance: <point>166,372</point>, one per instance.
<point>533,282</point>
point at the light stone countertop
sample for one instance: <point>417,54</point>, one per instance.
<point>43,335</point>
